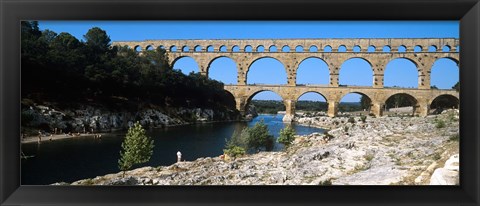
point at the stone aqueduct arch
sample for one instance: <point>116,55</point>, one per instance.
<point>333,95</point>
<point>424,60</point>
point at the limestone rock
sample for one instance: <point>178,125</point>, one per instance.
<point>442,176</point>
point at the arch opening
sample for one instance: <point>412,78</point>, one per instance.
<point>285,48</point>
<point>342,48</point>
<point>173,49</point>
<point>235,48</point>
<point>138,48</point>
<point>299,48</point>
<point>311,104</point>
<point>402,49</point>
<point>356,72</point>
<point>386,48</point>
<point>198,48</point>
<point>313,49</point>
<point>223,48</point>
<point>327,49</point>
<point>401,73</point>
<point>185,49</point>
<point>223,69</point>
<point>265,102</point>
<point>266,70</point>
<point>357,48</point>
<point>228,100</point>
<point>261,48</point>
<point>444,74</point>
<point>186,65</point>
<point>313,71</point>
<point>400,104</point>
<point>210,48</point>
<point>354,104</point>
<point>371,48</point>
<point>149,48</point>
<point>272,48</point>
<point>444,102</point>
<point>417,48</point>
<point>248,48</point>
<point>432,48</point>
<point>446,48</point>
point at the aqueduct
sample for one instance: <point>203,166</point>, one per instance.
<point>291,52</point>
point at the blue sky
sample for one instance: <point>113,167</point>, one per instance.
<point>312,71</point>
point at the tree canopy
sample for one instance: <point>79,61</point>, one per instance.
<point>61,68</point>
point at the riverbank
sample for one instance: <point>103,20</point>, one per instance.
<point>88,118</point>
<point>33,139</point>
<point>49,137</point>
<point>379,151</point>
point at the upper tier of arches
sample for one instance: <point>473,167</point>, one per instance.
<point>390,45</point>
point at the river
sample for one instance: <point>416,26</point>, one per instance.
<point>78,158</point>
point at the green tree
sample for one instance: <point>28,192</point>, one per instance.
<point>259,137</point>
<point>137,148</point>
<point>287,135</point>
<point>239,139</point>
<point>237,145</point>
<point>97,40</point>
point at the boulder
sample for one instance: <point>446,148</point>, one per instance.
<point>453,163</point>
<point>443,176</point>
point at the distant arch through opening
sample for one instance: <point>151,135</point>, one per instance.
<point>355,103</point>
<point>311,103</point>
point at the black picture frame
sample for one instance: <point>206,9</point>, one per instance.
<point>12,12</point>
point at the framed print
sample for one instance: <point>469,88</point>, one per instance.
<point>241,103</point>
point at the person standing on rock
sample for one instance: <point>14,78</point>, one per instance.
<point>39,136</point>
<point>179,156</point>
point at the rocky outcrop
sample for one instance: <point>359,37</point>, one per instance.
<point>449,174</point>
<point>251,112</point>
<point>103,120</point>
<point>379,151</point>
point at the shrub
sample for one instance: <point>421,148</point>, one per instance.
<point>137,148</point>
<point>454,137</point>
<point>234,151</point>
<point>351,120</point>
<point>287,135</point>
<point>368,157</point>
<point>440,124</point>
<point>326,182</point>
<point>363,118</point>
<point>327,135</point>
